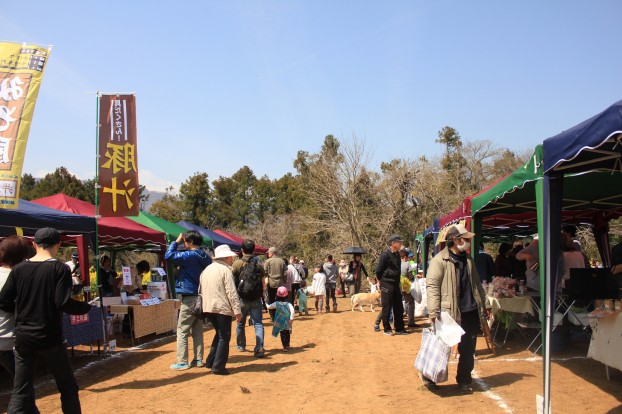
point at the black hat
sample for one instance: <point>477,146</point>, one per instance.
<point>394,238</point>
<point>48,236</point>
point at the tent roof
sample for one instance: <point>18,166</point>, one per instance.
<point>32,216</point>
<point>112,231</point>
<point>171,230</point>
<point>258,249</point>
<point>594,144</point>
<point>216,238</point>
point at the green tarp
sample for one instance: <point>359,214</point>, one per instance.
<point>171,230</point>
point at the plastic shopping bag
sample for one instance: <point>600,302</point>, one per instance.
<point>448,329</point>
<point>415,290</point>
<point>433,357</point>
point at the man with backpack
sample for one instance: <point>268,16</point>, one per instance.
<point>248,274</point>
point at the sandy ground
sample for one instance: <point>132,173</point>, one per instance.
<point>337,364</point>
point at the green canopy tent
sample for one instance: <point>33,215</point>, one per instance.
<point>517,205</point>
<point>172,231</point>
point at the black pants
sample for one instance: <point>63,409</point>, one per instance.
<point>330,293</point>
<point>466,348</point>
<point>272,299</point>
<point>7,361</point>
<point>285,337</point>
<point>391,297</point>
<point>57,361</point>
<point>219,351</point>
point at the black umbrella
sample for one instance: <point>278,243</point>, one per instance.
<point>354,250</point>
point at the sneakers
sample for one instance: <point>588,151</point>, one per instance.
<point>401,333</point>
<point>180,367</point>
<point>197,363</point>
<point>376,328</point>
<point>465,388</point>
<point>224,371</point>
<point>241,349</point>
<point>260,353</point>
<point>388,333</point>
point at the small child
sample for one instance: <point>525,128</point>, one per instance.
<point>373,285</point>
<point>283,318</point>
<point>319,288</point>
<point>301,294</point>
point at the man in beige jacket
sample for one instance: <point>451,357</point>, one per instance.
<point>453,286</point>
<point>220,305</point>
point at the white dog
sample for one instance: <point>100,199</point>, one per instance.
<point>361,299</point>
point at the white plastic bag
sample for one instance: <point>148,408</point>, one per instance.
<point>448,330</point>
<point>421,309</point>
<point>415,290</point>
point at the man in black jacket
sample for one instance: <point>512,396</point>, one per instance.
<point>38,290</point>
<point>388,273</point>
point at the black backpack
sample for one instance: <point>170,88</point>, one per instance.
<point>250,286</point>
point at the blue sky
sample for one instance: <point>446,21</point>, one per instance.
<point>222,84</point>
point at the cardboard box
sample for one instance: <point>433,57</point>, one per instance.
<point>157,289</point>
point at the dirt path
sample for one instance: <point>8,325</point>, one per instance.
<point>337,364</point>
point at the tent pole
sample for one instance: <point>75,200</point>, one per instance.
<point>96,247</point>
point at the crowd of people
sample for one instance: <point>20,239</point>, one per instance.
<point>36,288</point>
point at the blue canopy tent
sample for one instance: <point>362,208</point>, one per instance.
<point>216,238</point>
<point>592,148</point>
<point>429,238</point>
<point>30,217</point>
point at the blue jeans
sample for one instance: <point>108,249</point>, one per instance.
<point>219,351</point>
<point>252,309</point>
<point>57,361</point>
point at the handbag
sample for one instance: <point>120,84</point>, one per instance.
<point>433,357</point>
<point>349,278</point>
<point>197,307</point>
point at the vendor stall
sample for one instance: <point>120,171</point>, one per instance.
<point>145,320</point>
<point>606,341</point>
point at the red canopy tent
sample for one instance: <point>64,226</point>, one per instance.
<point>258,249</point>
<point>114,232</point>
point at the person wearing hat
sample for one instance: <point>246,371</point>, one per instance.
<point>284,317</point>
<point>275,268</point>
<point>388,272</point>
<point>191,261</point>
<point>453,286</point>
<point>220,304</point>
<point>37,291</point>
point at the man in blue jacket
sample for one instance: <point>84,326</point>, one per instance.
<point>191,262</point>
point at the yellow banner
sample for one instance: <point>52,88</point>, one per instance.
<point>21,70</point>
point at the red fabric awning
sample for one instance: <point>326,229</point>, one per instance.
<point>113,231</point>
<point>258,249</point>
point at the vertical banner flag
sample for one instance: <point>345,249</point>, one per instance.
<point>118,156</point>
<point>21,70</point>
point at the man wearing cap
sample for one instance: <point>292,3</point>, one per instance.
<point>275,268</point>
<point>220,304</point>
<point>191,261</point>
<point>453,286</point>
<point>388,273</point>
<point>38,290</point>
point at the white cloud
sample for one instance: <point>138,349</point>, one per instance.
<point>153,183</point>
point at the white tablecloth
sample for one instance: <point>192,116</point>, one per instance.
<point>606,340</point>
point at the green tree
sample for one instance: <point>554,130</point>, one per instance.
<point>27,187</point>
<point>170,207</point>
<point>196,196</point>
<point>62,181</point>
